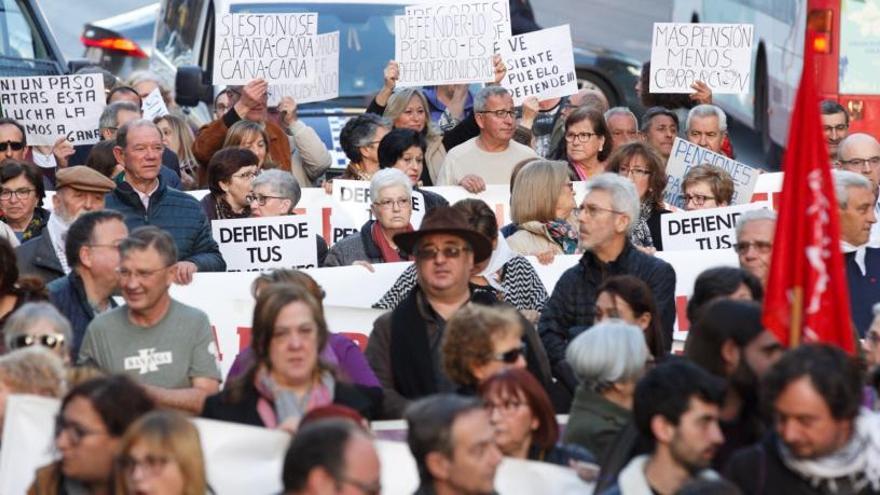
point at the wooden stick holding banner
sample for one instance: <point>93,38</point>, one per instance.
<point>686,155</point>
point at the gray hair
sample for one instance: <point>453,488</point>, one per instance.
<point>359,132</point>
<point>482,97</point>
<point>621,111</point>
<point>281,183</point>
<point>609,352</point>
<point>109,117</point>
<point>706,110</point>
<point>624,197</point>
<point>844,180</point>
<point>122,132</point>
<point>388,177</point>
<point>26,316</point>
<point>146,75</point>
<point>753,216</point>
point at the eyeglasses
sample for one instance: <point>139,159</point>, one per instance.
<point>23,193</point>
<point>860,163</point>
<point>75,431</point>
<point>430,253</point>
<point>698,199</point>
<point>501,114</point>
<point>762,247</point>
<point>839,128</point>
<point>15,145</point>
<point>151,464</point>
<point>247,175</point>
<point>261,199</point>
<point>374,488</point>
<point>505,407</point>
<point>594,211</point>
<point>579,137</point>
<point>510,356</point>
<point>50,340</point>
<point>126,274</point>
<point>700,134</point>
<point>387,204</point>
<point>627,172</point>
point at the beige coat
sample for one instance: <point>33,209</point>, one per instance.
<point>309,158</point>
<point>435,154</point>
<point>532,239</point>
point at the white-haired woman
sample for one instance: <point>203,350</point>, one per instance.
<point>391,197</point>
<point>608,360</point>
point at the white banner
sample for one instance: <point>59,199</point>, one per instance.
<point>718,54</point>
<point>28,425</point>
<point>686,155</point>
<point>326,83</point>
<point>154,105</point>
<point>712,228</point>
<point>279,48</point>
<point>352,208</point>
<point>444,48</point>
<point>498,10</point>
<point>51,107</point>
<point>270,242</point>
<point>540,63</point>
<point>769,189</point>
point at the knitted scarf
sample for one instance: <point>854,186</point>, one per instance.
<point>641,234</point>
<point>225,211</point>
<point>563,234</point>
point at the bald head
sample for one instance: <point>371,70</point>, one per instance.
<point>591,97</point>
<point>860,153</point>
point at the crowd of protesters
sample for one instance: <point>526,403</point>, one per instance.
<point>472,352</point>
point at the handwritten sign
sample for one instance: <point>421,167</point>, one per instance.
<point>51,107</point>
<point>540,63</point>
<point>717,54</point>
<point>326,83</point>
<point>445,48</point>
<point>264,243</point>
<point>279,48</point>
<point>154,105</point>
<point>713,228</point>
<point>498,10</point>
<point>686,155</point>
<point>351,208</point>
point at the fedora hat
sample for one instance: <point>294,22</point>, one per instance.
<point>446,220</point>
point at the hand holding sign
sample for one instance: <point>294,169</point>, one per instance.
<point>253,95</point>
<point>287,109</point>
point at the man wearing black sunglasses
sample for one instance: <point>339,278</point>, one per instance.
<point>13,143</point>
<point>404,347</point>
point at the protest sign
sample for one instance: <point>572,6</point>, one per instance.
<point>326,83</point>
<point>686,155</point>
<point>351,208</point>
<point>27,440</point>
<point>712,228</point>
<point>52,107</point>
<point>717,54</point>
<point>498,10</point>
<point>270,242</point>
<point>279,48</point>
<point>446,48</point>
<point>540,63</point>
<point>768,188</point>
<point>154,105</point>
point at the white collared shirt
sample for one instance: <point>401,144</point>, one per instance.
<point>145,197</point>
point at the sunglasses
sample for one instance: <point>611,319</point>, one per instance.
<point>50,340</point>
<point>430,253</point>
<point>15,145</point>
<point>510,356</point>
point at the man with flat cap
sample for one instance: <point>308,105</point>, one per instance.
<point>78,189</point>
<point>404,347</point>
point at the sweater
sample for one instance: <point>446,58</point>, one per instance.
<point>176,212</point>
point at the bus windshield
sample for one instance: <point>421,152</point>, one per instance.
<point>859,47</point>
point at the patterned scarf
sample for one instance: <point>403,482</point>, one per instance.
<point>563,234</point>
<point>225,211</point>
<point>641,234</point>
<point>34,227</point>
<point>276,404</point>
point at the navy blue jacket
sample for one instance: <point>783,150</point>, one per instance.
<point>176,212</point>
<point>864,290</point>
<point>68,294</point>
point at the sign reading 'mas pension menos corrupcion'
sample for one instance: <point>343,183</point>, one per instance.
<point>52,107</point>
<point>445,48</point>
<point>279,48</point>
<point>717,54</point>
<point>540,63</point>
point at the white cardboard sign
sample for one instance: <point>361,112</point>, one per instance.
<point>154,105</point>
<point>249,244</point>
<point>51,107</point>
<point>498,10</point>
<point>280,48</point>
<point>717,54</point>
<point>540,63</point>
<point>713,228</point>
<point>445,48</point>
<point>686,155</point>
<point>326,83</point>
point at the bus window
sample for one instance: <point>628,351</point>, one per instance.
<point>859,47</point>
<point>18,36</point>
<point>177,30</point>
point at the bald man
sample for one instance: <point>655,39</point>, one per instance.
<point>860,153</point>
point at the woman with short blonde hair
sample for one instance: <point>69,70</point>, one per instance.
<point>542,207</point>
<point>404,113</point>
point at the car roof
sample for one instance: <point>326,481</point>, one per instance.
<point>223,5</point>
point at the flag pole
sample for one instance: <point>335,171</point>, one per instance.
<point>797,317</point>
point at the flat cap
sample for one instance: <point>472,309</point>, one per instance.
<point>84,179</point>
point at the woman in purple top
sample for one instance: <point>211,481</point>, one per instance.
<point>340,352</point>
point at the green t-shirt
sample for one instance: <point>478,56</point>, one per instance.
<point>168,355</point>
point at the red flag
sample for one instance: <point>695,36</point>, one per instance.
<point>806,299</point>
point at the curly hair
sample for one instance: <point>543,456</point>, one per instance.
<point>468,339</point>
